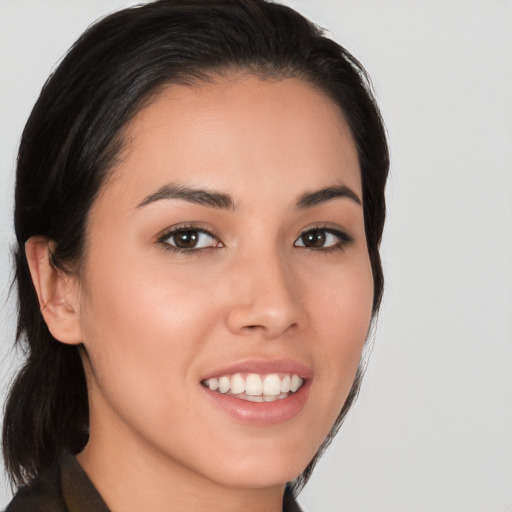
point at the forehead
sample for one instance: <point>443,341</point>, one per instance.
<point>238,133</point>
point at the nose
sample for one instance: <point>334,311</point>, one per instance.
<point>266,298</point>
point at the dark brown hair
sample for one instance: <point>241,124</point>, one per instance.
<point>73,137</point>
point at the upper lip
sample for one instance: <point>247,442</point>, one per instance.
<point>263,367</point>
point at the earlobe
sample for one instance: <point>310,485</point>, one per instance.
<point>57,291</point>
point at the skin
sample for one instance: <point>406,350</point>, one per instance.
<point>153,321</point>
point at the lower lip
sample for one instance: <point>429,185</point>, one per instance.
<point>261,413</point>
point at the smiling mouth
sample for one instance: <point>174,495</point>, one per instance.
<point>254,387</point>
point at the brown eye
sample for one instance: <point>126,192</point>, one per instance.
<point>186,239</point>
<point>314,238</point>
<point>189,239</point>
<point>323,238</point>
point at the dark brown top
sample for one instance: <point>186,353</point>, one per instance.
<point>66,488</point>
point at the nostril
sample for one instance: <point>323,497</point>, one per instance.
<point>264,317</point>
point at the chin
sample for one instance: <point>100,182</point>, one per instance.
<point>260,470</point>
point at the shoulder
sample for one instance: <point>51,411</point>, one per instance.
<point>61,488</point>
<point>43,494</point>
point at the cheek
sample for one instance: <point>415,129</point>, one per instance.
<point>144,333</point>
<point>143,326</point>
<point>343,319</point>
<point>344,307</point>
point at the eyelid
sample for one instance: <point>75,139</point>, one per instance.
<point>164,235</point>
<point>187,226</point>
<point>344,237</point>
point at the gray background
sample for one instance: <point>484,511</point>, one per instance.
<point>432,430</point>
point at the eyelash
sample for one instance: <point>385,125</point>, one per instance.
<point>162,240</point>
<point>344,239</point>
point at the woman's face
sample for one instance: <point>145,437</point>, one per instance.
<point>228,249</point>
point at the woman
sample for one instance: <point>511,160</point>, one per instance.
<point>199,207</point>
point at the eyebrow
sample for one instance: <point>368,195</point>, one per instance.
<point>225,201</point>
<point>323,195</point>
<point>193,195</point>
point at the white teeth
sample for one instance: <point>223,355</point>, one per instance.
<point>272,385</point>
<point>295,383</point>
<point>237,384</point>
<point>253,385</point>
<point>213,384</point>
<point>285,384</point>
<point>250,398</point>
<point>256,388</point>
<point>224,384</point>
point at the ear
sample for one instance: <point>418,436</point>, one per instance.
<point>57,291</point>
